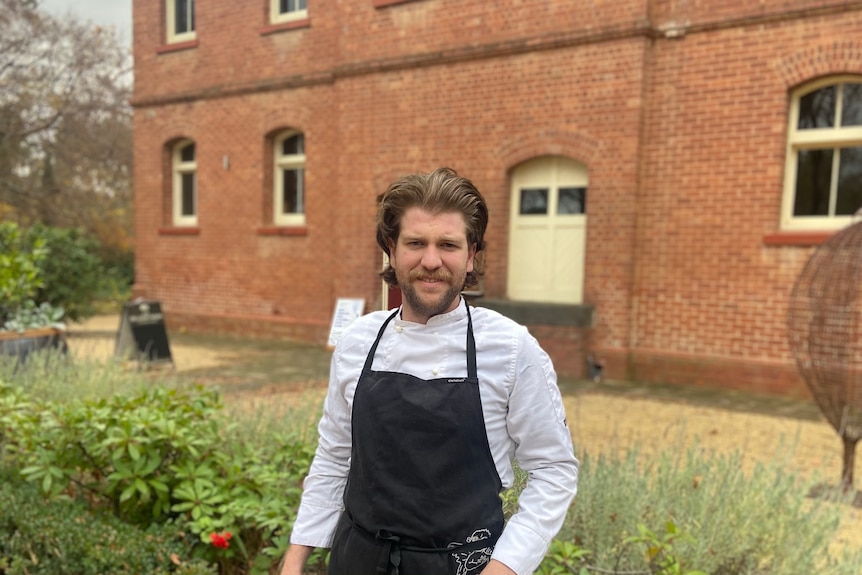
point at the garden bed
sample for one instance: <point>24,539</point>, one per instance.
<point>22,344</point>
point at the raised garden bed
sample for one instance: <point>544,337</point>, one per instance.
<point>22,344</point>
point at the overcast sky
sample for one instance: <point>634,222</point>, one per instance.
<point>116,13</point>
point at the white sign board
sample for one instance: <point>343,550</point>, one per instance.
<point>346,310</point>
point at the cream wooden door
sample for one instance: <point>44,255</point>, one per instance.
<point>547,235</point>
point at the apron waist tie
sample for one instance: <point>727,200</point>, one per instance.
<point>390,553</point>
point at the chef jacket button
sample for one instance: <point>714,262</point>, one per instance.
<point>399,329</point>
<point>435,371</point>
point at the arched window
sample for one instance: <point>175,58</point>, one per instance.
<point>823,178</point>
<point>180,20</point>
<point>289,179</point>
<point>185,189</point>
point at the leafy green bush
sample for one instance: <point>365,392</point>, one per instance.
<point>46,275</point>
<point>20,272</point>
<point>163,456</point>
<point>61,537</point>
<point>72,273</point>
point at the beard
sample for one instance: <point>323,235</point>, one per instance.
<point>430,307</point>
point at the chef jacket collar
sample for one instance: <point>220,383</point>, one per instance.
<point>443,319</point>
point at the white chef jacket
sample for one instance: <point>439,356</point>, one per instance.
<point>521,404</point>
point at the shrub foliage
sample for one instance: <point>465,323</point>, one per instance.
<point>52,536</point>
<point>165,463</point>
<point>161,456</point>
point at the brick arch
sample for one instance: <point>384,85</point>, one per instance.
<point>839,57</point>
<point>548,143</point>
<point>295,118</point>
<point>171,141</point>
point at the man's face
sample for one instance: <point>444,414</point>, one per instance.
<point>431,260</point>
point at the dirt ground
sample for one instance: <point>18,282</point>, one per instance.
<point>607,417</point>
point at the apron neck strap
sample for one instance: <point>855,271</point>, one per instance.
<point>370,359</point>
<point>471,345</point>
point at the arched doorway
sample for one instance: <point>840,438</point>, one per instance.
<point>547,230</point>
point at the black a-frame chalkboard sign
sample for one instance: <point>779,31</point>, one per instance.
<point>142,334</point>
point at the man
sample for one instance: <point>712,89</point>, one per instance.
<point>426,409</point>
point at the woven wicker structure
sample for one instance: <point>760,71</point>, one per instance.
<point>824,322</point>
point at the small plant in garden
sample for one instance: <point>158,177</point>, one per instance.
<point>659,549</point>
<point>565,558</point>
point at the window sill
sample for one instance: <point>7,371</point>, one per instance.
<point>385,3</point>
<point>282,231</point>
<point>179,46</point>
<point>796,238</point>
<point>283,26</point>
<point>535,313</point>
<point>180,231</point>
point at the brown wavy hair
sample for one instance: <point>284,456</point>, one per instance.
<point>441,191</point>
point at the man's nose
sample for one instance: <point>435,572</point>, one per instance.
<point>431,258</point>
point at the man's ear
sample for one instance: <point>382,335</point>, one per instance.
<point>471,255</point>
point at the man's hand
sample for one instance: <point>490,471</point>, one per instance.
<point>295,559</point>
<point>496,568</point>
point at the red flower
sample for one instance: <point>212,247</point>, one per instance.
<point>221,540</point>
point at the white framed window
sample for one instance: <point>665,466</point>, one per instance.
<point>180,20</point>
<point>287,10</point>
<point>185,186</point>
<point>823,176</point>
<point>289,179</point>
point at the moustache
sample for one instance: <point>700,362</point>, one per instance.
<point>440,276</point>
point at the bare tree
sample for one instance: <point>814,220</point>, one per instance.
<point>65,121</point>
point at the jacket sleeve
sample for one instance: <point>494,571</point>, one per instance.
<point>323,489</point>
<point>536,422</point>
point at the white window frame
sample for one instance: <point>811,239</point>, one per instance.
<point>276,16</point>
<point>816,139</point>
<point>172,36</point>
<point>282,162</point>
<point>179,168</point>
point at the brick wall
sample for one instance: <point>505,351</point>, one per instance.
<point>678,110</point>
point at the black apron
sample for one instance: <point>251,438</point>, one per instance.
<point>422,494</point>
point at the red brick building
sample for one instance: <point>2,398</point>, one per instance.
<point>657,171</point>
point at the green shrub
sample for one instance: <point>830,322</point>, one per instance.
<point>163,455</point>
<point>48,274</point>
<point>156,454</point>
<point>58,537</point>
<point>735,523</point>
<point>72,273</point>
<point>20,271</point>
